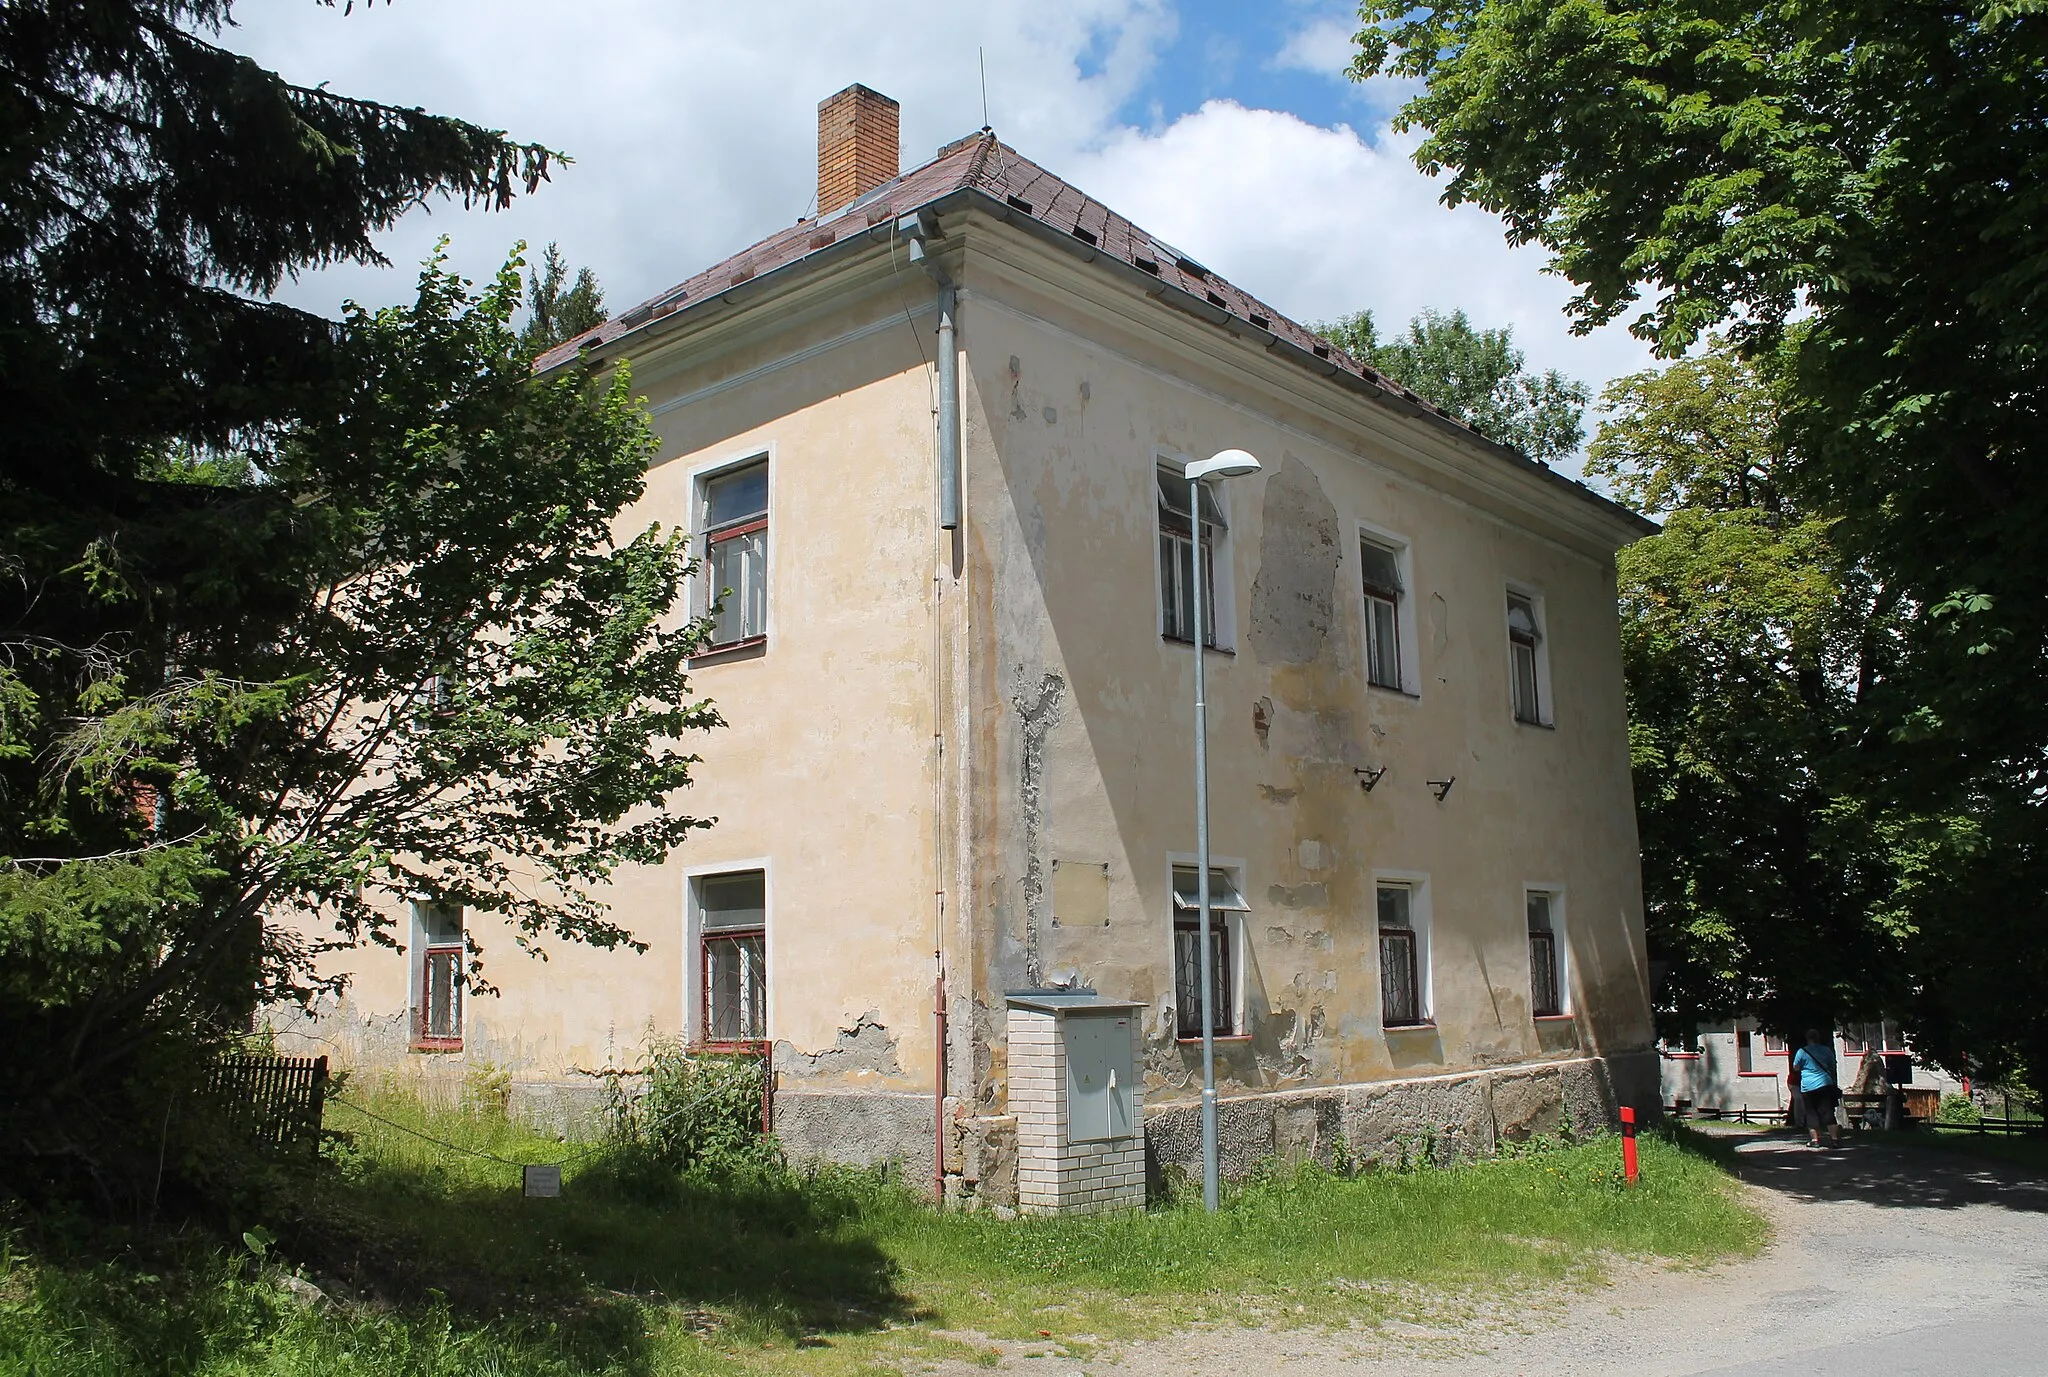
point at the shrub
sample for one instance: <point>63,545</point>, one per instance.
<point>487,1089</point>
<point>694,1111</point>
<point>1958,1109</point>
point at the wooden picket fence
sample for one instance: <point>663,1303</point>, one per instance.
<point>276,1102</point>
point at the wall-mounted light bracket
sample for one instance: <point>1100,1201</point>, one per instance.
<point>1368,778</point>
<point>1442,786</point>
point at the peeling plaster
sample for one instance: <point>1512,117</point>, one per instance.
<point>1037,714</point>
<point>866,1047</point>
<point>1311,895</point>
<point>1294,595</point>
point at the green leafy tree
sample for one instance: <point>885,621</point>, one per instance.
<point>469,686</point>
<point>1475,375</point>
<point>278,595</point>
<point>156,188</point>
<point>1857,192</point>
<point>1757,657</point>
<point>559,308</point>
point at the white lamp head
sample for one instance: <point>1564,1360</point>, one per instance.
<point>1229,463</point>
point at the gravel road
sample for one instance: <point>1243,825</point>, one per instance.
<point>1888,1261</point>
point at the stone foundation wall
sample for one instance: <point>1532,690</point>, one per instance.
<point>1445,1118</point>
<point>1440,1118</point>
<point>862,1128</point>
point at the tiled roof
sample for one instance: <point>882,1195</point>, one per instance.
<point>984,163</point>
<point>981,162</point>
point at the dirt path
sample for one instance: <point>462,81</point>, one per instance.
<point>1900,1262</point>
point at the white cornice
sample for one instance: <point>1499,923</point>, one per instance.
<point>1185,339</point>
<point>1413,450</point>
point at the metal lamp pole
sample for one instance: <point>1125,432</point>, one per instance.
<point>1231,463</point>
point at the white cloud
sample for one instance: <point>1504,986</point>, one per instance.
<point>1322,46</point>
<point>693,126</point>
<point>1318,223</point>
<point>693,123</point>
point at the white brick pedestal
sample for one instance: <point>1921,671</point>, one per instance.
<point>1055,1174</point>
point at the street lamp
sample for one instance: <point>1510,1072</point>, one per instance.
<point>1230,463</point>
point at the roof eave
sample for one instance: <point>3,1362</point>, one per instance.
<point>1190,304</point>
<point>1632,525</point>
<point>648,332</point>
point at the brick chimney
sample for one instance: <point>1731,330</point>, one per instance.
<point>858,145</point>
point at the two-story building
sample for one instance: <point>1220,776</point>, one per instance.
<point>929,444</point>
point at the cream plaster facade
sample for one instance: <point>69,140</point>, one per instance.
<point>938,719</point>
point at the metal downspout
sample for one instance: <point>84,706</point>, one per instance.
<point>949,406</point>
<point>916,228</point>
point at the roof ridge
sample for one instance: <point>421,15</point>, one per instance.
<point>980,159</point>
<point>1095,224</point>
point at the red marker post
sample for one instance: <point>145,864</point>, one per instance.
<point>1628,1144</point>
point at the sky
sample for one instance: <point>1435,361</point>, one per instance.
<point>1225,127</point>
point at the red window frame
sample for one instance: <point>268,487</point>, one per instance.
<point>1397,945</point>
<point>714,536</point>
<point>1543,975</point>
<point>705,941</point>
<point>424,1038</point>
<point>1187,978</point>
<point>713,539</point>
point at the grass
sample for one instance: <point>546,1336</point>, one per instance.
<point>442,1268</point>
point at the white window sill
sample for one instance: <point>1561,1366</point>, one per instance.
<point>752,648</point>
<point>1212,649</point>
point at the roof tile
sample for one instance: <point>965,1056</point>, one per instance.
<point>982,162</point>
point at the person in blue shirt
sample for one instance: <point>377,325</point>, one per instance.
<point>1813,1075</point>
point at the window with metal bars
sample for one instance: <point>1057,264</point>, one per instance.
<point>1177,534</point>
<point>733,950</point>
<point>1546,988</point>
<point>437,1004</point>
<point>1226,902</point>
<point>1400,958</point>
<point>732,580</point>
<point>1382,579</point>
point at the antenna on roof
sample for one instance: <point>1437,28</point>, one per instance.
<point>982,54</point>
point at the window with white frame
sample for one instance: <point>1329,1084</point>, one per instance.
<point>1546,958</point>
<point>1526,659</point>
<point>1404,956</point>
<point>732,918</point>
<point>439,972</point>
<point>732,547</point>
<point>1178,535</point>
<point>1226,905</point>
<point>1380,566</point>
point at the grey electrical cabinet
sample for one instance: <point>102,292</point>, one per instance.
<point>1101,1104</point>
<point>1074,1087</point>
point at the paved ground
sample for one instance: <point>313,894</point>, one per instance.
<point>1888,1261</point>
